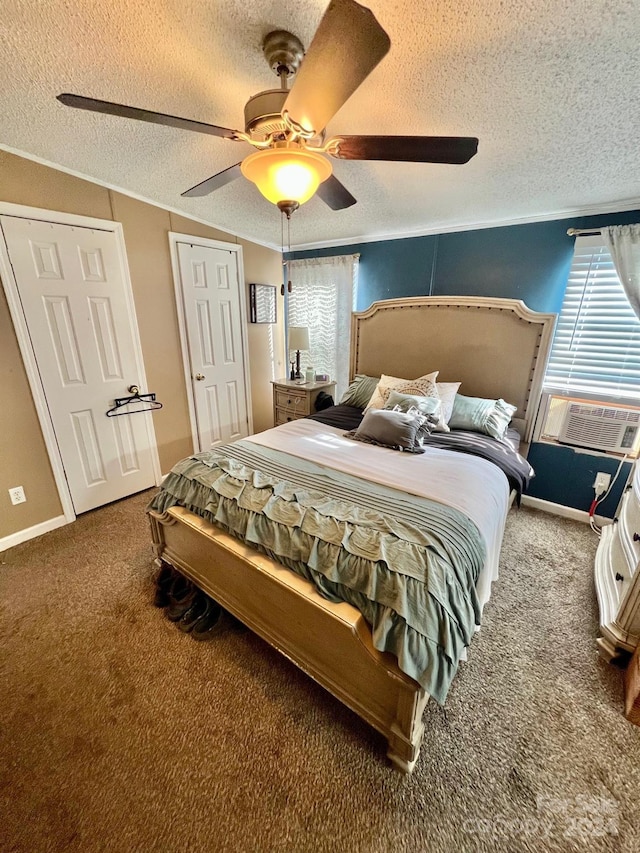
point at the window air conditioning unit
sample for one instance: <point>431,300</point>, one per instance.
<point>599,427</point>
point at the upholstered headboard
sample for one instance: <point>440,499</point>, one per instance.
<point>494,347</point>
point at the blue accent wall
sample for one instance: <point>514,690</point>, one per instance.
<point>529,262</point>
<point>566,476</point>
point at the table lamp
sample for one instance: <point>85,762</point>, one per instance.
<point>298,340</point>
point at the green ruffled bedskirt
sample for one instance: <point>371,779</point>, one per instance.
<point>408,564</point>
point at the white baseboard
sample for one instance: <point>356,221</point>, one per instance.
<point>31,532</point>
<point>564,511</point>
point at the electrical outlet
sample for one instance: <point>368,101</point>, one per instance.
<point>601,483</point>
<point>17,495</point>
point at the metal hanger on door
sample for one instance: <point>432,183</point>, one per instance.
<point>136,397</point>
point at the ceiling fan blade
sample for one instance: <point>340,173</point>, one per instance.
<point>347,46</point>
<point>96,106</point>
<point>415,149</point>
<point>214,182</point>
<point>335,194</point>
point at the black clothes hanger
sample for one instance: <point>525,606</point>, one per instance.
<point>136,397</point>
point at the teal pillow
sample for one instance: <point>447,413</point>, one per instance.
<point>429,406</point>
<point>360,391</point>
<point>491,417</point>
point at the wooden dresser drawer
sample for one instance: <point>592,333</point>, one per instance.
<point>631,513</point>
<point>629,520</point>
<point>630,507</point>
<point>297,401</point>
<point>284,416</point>
<point>617,575</point>
<point>629,527</point>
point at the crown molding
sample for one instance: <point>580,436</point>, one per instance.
<point>595,210</point>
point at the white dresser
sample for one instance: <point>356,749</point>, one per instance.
<point>617,575</point>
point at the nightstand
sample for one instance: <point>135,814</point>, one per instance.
<point>293,399</point>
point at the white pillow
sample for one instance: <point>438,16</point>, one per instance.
<point>447,392</point>
<point>424,386</point>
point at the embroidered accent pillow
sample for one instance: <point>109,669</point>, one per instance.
<point>424,386</point>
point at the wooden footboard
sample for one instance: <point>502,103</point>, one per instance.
<point>330,642</point>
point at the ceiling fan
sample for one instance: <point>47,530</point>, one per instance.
<point>287,126</point>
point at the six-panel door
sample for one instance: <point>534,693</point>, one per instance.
<point>211,299</point>
<point>72,290</point>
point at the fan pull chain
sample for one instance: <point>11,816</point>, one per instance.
<point>284,263</point>
<point>289,250</point>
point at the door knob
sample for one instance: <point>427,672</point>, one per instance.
<point>199,377</point>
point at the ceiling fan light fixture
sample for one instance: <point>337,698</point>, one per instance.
<point>288,125</point>
<point>286,174</point>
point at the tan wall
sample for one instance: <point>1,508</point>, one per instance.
<point>266,342</point>
<point>23,457</point>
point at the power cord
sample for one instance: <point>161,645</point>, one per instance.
<point>599,498</point>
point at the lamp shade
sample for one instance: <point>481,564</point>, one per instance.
<point>286,174</point>
<point>298,337</point>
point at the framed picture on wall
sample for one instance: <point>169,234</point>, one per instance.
<point>262,303</point>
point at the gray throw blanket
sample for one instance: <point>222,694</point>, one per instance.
<point>408,564</point>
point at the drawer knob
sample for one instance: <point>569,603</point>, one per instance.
<point>289,400</point>
<point>619,577</point>
<point>636,537</point>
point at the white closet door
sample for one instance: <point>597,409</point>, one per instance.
<point>211,299</point>
<point>73,295</point>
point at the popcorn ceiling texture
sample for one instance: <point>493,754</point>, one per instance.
<point>551,90</point>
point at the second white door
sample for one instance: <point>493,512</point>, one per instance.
<point>214,326</point>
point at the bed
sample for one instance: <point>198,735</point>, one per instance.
<point>496,348</point>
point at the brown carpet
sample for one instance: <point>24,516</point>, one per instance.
<point>120,733</point>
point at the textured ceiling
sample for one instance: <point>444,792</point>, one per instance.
<point>550,88</point>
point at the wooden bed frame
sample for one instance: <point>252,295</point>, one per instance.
<point>496,348</point>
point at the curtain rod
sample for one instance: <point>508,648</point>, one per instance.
<point>580,232</point>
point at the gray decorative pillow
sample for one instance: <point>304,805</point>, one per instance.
<point>429,406</point>
<point>397,430</point>
<point>491,417</point>
<point>360,391</point>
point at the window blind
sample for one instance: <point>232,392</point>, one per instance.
<point>596,347</point>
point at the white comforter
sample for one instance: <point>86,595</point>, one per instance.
<point>474,486</point>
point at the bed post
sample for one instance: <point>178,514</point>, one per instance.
<point>407,730</point>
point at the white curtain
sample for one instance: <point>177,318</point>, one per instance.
<point>623,241</point>
<point>322,299</point>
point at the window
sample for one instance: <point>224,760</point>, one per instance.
<point>322,298</point>
<point>596,348</point>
